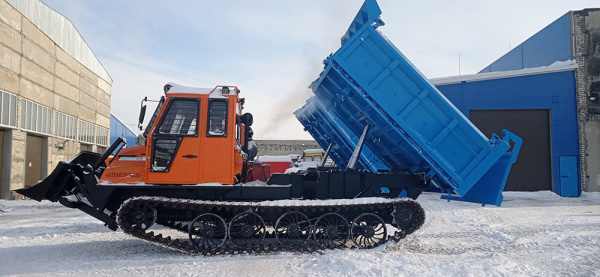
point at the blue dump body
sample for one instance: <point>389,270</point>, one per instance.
<point>327,128</point>
<point>412,126</point>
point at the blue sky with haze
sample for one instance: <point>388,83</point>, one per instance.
<point>272,50</point>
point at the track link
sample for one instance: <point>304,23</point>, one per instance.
<point>177,214</point>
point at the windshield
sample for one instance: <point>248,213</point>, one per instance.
<point>149,126</point>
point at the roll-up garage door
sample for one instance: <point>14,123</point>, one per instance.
<point>33,160</point>
<point>533,169</point>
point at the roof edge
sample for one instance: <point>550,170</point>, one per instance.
<point>47,19</point>
<point>122,122</point>
<point>569,65</point>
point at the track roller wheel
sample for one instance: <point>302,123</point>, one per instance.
<point>208,231</point>
<point>141,217</point>
<point>331,230</point>
<point>368,230</point>
<point>292,228</point>
<point>247,229</point>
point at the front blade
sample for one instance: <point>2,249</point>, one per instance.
<point>51,187</point>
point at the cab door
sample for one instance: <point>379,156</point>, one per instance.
<point>175,144</point>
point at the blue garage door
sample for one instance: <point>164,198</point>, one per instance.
<point>533,169</point>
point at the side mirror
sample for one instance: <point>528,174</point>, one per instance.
<point>142,112</point>
<point>247,119</point>
<point>142,115</point>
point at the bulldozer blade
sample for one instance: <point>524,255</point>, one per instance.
<point>61,181</point>
<point>73,184</point>
<point>51,187</point>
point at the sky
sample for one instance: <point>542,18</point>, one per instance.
<point>272,50</point>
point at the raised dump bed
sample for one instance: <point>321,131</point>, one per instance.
<point>411,124</point>
<point>327,128</point>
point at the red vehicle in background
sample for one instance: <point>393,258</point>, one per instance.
<point>279,164</point>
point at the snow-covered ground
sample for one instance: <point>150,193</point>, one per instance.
<point>532,234</point>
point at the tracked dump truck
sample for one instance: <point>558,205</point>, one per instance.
<point>191,187</point>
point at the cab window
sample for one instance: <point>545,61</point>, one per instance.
<point>217,118</point>
<point>181,118</point>
<point>164,151</point>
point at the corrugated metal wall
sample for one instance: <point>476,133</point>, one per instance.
<point>552,91</point>
<point>118,129</point>
<point>553,43</point>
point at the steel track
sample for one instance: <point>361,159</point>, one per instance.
<point>385,207</point>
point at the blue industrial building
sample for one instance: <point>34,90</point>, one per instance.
<point>545,90</point>
<point>118,128</point>
<point>538,105</point>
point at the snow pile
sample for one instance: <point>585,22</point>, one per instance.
<point>300,166</point>
<point>293,170</point>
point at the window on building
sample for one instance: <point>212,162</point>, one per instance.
<point>217,118</point>
<point>35,117</point>
<point>8,109</point>
<point>87,132</point>
<point>101,149</point>
<point>101,136</point>
<point>65,126</point>
<point>85,147</point>
<point>181,118</point>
